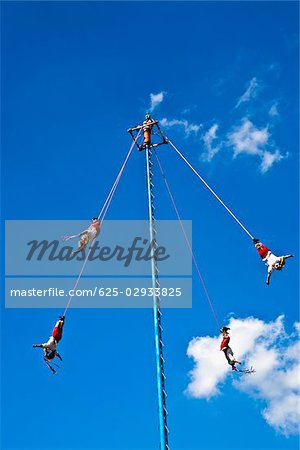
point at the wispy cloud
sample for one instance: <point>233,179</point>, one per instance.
<point>273,67</point>
<point>209,139</point>
<point>187,127</point>
<point>268,159</point>
<point>275,356</point>
<point>248,139</point>
<point>273,111</point>
<point>250,92</point>
<point>156,99</point>
<point>188,109</point>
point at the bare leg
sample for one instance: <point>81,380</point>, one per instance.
<point>82,244</point>
<point>80,249</point>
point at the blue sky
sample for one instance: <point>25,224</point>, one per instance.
<point>74,77</point>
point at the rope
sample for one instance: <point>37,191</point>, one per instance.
<point>102,213</point>
<point>114,187</point>
<point>210,189</point>
<point>188,244</point>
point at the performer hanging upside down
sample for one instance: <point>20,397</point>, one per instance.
<point>88,235</point>
<point>226,349</point>
<point>49,347</point>
<point>272,261</point>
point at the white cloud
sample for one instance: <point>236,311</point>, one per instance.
<point>187,127</point>
<point>247,138</point>
<point>273,111</point>
<point>250,92</point>
<point>268,159</point>
<point>209,138</point>
<point>156,99</point>
<point>271,351</point>
<point>209,371</point>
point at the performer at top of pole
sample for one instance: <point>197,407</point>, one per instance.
<point>151,129</point>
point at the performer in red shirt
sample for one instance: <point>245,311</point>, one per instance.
<point>226,349</point>
<point>49,347</point>
<point>58,329</point>
<point>272,261</point>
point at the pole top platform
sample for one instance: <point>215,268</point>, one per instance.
<point>147,134</point>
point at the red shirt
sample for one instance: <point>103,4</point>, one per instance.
<point>96,225</point>
<point>225,342</point>
<point>57,333</point>
<point>263,251</point>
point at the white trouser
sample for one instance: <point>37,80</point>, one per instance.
<point>51,344</point>
<point>229,355</point>
<point>271,260</point>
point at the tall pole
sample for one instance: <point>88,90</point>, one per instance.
<point>162,409</point>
